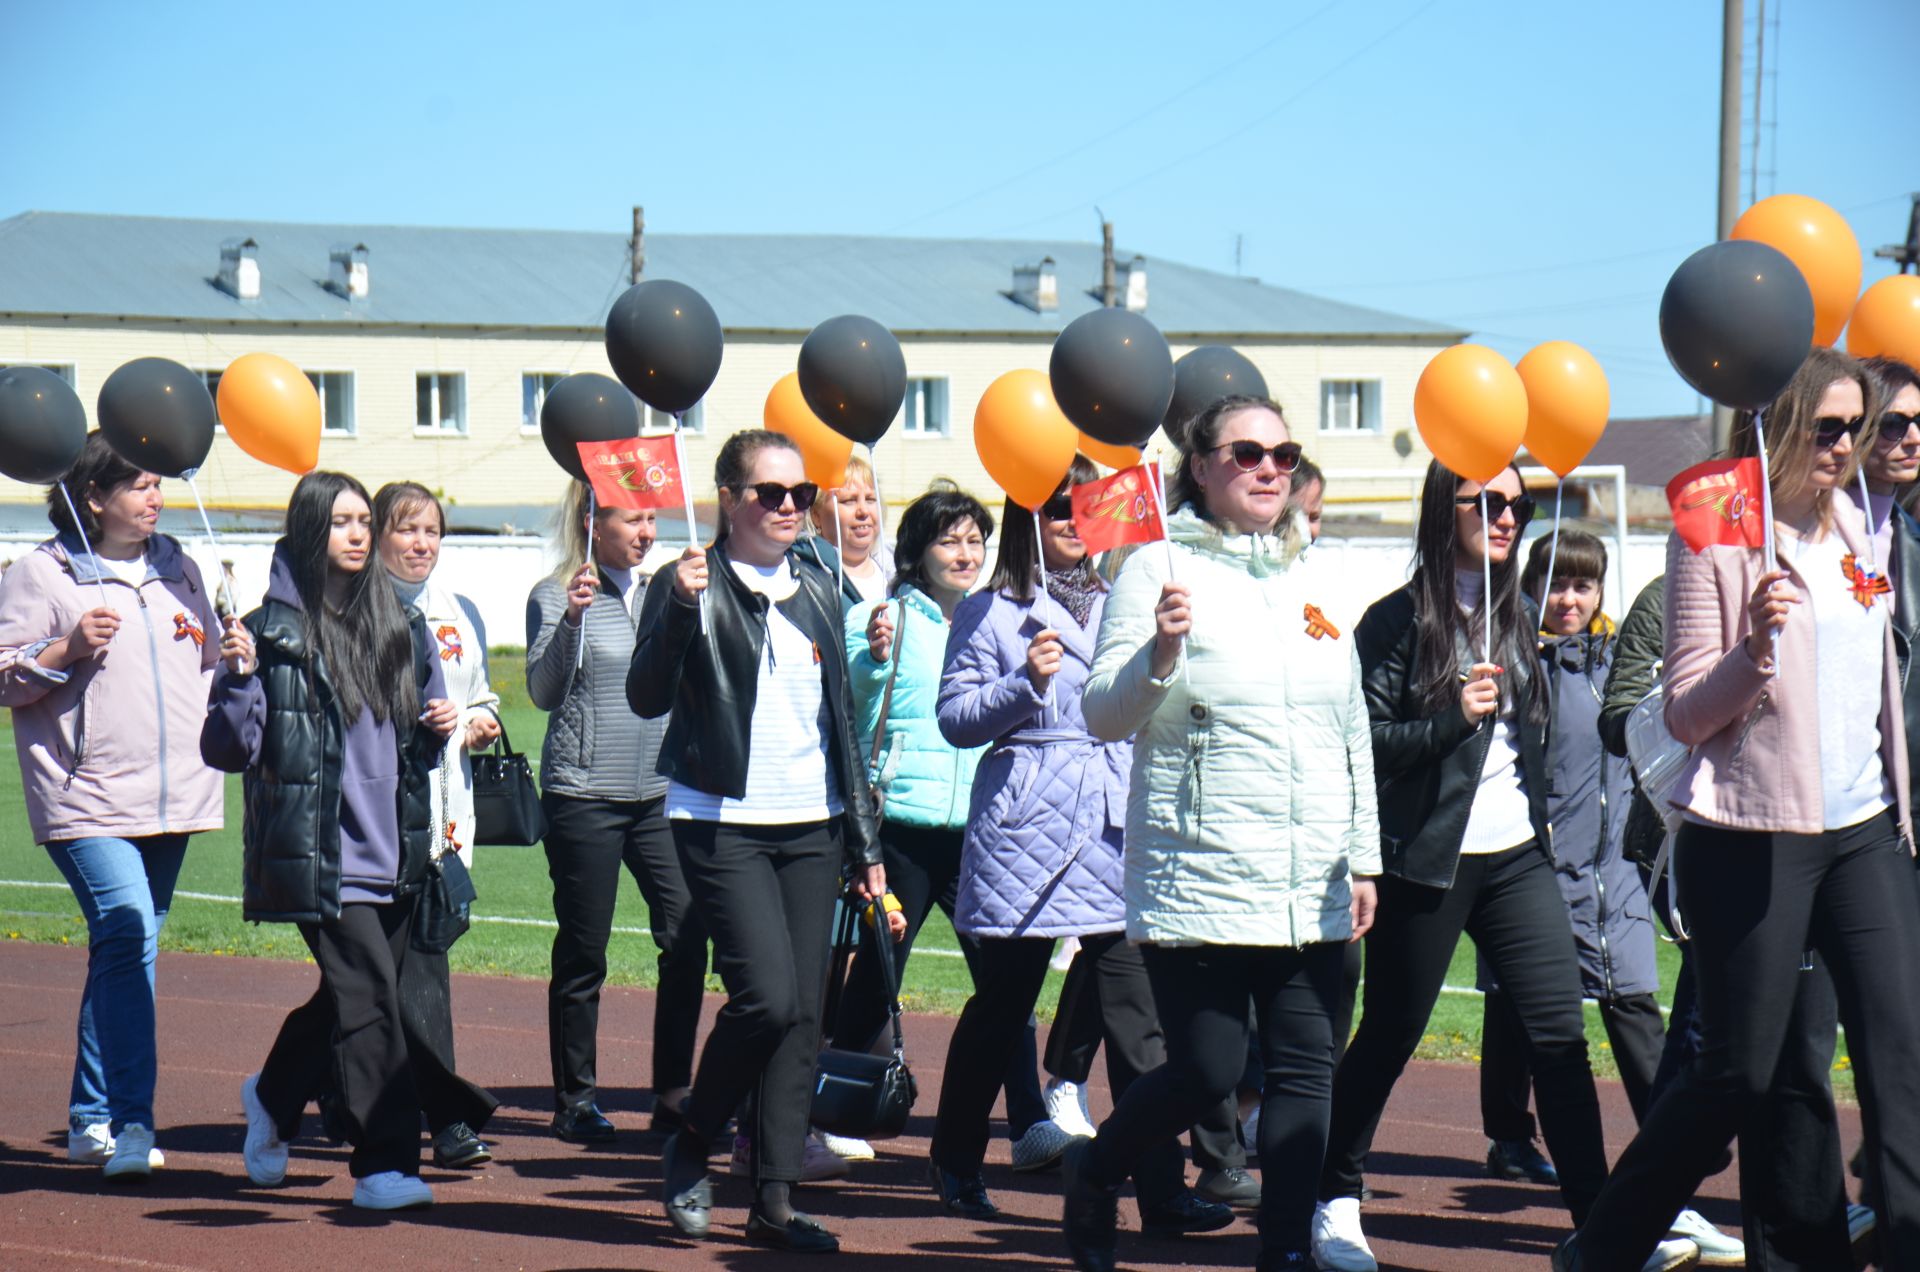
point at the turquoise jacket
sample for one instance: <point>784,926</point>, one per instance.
<point>926,781</point>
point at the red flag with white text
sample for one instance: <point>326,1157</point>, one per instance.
<point>1719,502</point>
<point>1123,508</point>
<point>633,472</point>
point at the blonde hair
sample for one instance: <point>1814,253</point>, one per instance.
<point>570,531</point>
<point>858,469</point>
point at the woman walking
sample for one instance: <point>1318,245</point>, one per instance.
<point>606,805</point>
<point>105,661</point>
<point>331,701</point>
<point>768,802</point>
<point>1768,663</point>
<point>1251,833</point>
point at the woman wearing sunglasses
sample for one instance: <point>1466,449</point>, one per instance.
<point>1251,832</point>
<point>1460,755</point>
<point>1770,665</point>
<point>768,801</point>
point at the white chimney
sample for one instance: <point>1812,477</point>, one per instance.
<point>1035,286</point>
<point>240,269</point>
<point>347,271</point>
<point>1133,284</point>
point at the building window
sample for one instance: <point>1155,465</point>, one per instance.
<point>653,420</point>
<point>924,413</point>
<point>534,387</point>
<point>1350,406</point>
<point>440,402</point>
<point>212,380</point>
<point>336,401</point>
<point>62,369</point>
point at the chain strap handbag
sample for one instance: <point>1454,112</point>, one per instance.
<point>506,803</point>
<point>856,1093</point>
<point>445,909</point>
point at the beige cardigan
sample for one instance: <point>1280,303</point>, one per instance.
<point>1755,727</point>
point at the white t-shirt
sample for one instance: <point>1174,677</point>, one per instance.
<point>1500,818</point>
<point>872,585</point>
<point>1849,666</point>
<point>789,773</point>
<point>628,583</point>
<point>133,572</point>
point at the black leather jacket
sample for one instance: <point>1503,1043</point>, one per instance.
<point>1905,571</point>
<point>709,682</point>
<point>1427,767</point>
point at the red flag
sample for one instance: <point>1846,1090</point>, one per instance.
<point>1719,502</point>
<point>1123,508</point>
<point>632,472</point>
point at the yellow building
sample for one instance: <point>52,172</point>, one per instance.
<point>432,348</point>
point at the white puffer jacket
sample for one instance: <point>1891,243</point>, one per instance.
<point>1252,802</point>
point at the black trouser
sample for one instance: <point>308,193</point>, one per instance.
<point>1011,971</point>
<point>923,870</point>
<point>1634,1029</point>
<point>587,840</point>
<point>1511,905</point>
<point>1755,901</point>
<point>1204,994</point>
<point>426,1014</point>
<point>1078,1025</point>
<point>353,1022</point>
<point>765,894</point>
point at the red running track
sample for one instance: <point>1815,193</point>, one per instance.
<point>548,1205</point>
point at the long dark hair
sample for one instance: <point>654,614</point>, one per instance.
<point>1017,570</point>
<point>1199,437</point>
<point>1439,623</point>
<point>944,506</point>
<point>366,644</point>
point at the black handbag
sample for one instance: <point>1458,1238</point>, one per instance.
<point>856,1093</point>
<point>445,909</point>
<point>506,803</point>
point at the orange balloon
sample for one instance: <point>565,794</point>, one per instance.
<point>1886,322</point>
<point>1107,453</point>
<point>271,411</point>
<point>1026,443</point>
<point>1566,404</point>
<point>1471,409</point>
<point>823,451</point>
<point>1818,240</point>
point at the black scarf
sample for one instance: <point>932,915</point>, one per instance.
<point>1075,589</point>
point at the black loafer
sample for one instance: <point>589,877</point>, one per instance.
<point>458,1148</point>
<point>1521,1162</point>
<point>1091,1214</point>
<point>582,1124</point>
<point>689,1204</point>
<point>1184,1216</point>
<point>1232,1186</point>
<point>963,1195</point>
<point>801,1234</point>
<point>666,1119</point>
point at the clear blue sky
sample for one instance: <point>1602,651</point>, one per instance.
<point>1528,170</point>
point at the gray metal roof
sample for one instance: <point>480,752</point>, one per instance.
<point>141,267</point>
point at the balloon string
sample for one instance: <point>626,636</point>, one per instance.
<point>1160,497</point>
<point>839,553</point>
<point>593,559</point>
<point>1486,571</point>
<point>99,579</point>
<point>1772,561</point>
<point>212,542</point>
<point>1553,549</point>
<point>686,496</point>
<point>1040,587</point>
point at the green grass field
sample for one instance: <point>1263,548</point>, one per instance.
<point>515,917</point>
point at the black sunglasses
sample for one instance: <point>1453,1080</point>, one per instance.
<point>771,494</point>
<point>1522,506</point>
<point>1058,508</point>
<point>1894,426</point>
<point>1247,455</point>
<point>1828,428</point>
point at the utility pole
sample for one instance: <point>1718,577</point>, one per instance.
<point>1106,264</point>
<point>1732,32</point>
<point>1759,83</point>
<point>637,246</point>
<point>1907,254</point>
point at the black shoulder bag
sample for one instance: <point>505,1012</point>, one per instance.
<point>444,911</point>
<point>856,1093</point>
<point>506,804</point>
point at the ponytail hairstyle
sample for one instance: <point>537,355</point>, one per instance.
<point>1016,571</point>
<point>735,461</point>
<point>366,644</point>
<point>1440,624</point>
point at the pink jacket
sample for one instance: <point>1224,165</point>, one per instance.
<point>1755,727</point>
<point>111,745</point>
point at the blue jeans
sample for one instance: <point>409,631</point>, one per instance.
<point>124,887</point>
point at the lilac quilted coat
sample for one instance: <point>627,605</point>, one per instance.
<point>1042,855</point>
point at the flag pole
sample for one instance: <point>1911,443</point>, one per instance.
<point>839,553</point>
<point>1160,497</point>
<point>593,559</point>
<point>1772,559</point>
<point>1486,572</point>
<point>686,497</point>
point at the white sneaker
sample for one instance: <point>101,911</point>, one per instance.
<point>390,1190</point>
<point>1338,1243</point>
<point>132,1159</point>
<point>1067,1107</point>
<point>264,1152</point>
<point>1672,1255</point>
<point>1042,1146</point>
<point>846,1147</point>
<point>820,1162</point>
<point>1717,1249</point>
<point>92,1145</point>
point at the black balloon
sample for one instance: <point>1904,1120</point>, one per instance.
<point>43,427</point>
<point>664,342</point>
<point>158,416</point>
<point>853,376</point>
<point>1112,375</point>
<point>1203,377</point>
<point>1737,321</point>
<point>585,408</point>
